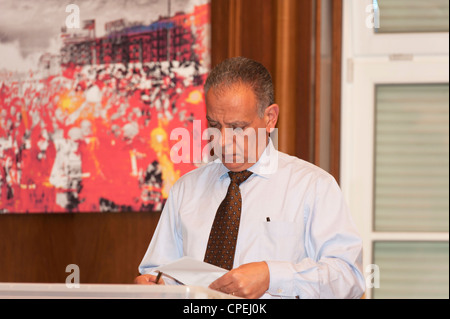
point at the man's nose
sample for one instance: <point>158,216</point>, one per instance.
<point>227,137</point>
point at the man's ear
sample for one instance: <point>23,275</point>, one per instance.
<point>271,117</point>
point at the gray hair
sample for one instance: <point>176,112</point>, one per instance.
<point>240,70</point>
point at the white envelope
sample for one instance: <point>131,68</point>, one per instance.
<point>192,272</point>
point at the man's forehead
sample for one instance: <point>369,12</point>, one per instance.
<point>225,93</point>
<point>224,88</point>
<point>238,99</point>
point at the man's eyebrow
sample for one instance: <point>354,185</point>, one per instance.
<point>210,119</point>
<point>237,123</point>
<point>233,123</point>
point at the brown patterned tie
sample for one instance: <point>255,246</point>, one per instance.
<point>224,231</point>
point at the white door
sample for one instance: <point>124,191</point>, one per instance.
<point>395,143</point>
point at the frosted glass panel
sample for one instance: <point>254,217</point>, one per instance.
<point>413,16</point>
<point>412,158</point>
<point>412,270</point>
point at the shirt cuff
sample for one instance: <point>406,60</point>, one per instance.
<point>281,278</point>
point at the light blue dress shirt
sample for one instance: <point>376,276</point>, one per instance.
<point>293,217</point>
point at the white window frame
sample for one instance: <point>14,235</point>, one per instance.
<point>363,69</point>
<point>367,42</point>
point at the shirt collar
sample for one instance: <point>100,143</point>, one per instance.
<point>266,165</point>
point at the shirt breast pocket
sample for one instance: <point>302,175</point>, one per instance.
<point>282,240</point>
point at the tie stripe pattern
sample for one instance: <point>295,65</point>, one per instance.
<point>224,231</point>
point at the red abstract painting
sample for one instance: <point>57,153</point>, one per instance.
<point>86,128</point>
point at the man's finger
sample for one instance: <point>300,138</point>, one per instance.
<point>222,282</point>
<point>147,280</point>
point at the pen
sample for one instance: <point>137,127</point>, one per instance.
<point>158,277</point>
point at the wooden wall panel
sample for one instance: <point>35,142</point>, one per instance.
<point>107,247</point>
<point>243,28</point>
<point>258,30</point>
<point>295,77</point>
<point>30,248</point>
<point>220,35</point>
<point>336,65</point>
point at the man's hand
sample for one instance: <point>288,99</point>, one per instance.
<point>148,280</point>
<point>249,281</point>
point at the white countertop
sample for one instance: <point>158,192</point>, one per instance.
<point>105,291</point>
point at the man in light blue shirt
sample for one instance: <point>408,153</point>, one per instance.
<point>296,237</point>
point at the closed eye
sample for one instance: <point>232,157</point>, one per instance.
<point>213,124</point>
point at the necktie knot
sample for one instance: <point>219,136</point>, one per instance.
<point>239,177</point>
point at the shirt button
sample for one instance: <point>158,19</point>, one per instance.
<point>280,290</point>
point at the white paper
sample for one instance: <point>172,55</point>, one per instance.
<point>192,272</point>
